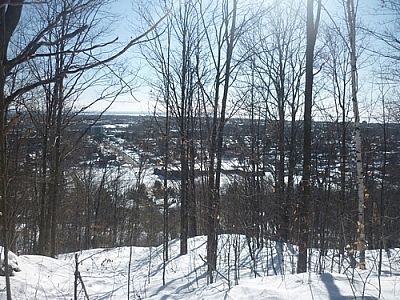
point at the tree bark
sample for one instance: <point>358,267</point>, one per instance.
<point>312,28</point>
<point>351,15</point>
<point>9,19</point>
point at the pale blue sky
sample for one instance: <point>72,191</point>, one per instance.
<point>368,12</point>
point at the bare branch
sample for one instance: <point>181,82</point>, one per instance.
<point>65,73</point>
<point>126,48</point>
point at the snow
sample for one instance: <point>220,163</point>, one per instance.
<point>12,261</point>
<point>104,273</point>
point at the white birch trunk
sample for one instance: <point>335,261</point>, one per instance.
<point>351,15</point>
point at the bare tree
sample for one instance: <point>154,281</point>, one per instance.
<point>174,65</point>
<point>279,63</point>
<point>227,35</point>
<point>361,242</point>
<point>312,29</point>
<point>337,70</point>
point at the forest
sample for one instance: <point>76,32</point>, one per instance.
<point>276,120</point>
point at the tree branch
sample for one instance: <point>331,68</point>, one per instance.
<point>65,73</point>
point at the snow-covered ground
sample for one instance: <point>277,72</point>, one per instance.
<point>105,274</point>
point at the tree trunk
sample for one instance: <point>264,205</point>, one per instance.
<point>43,199</point>
<point>312,28</point>
<point>343,160</point>
<point>3,182</point>
<point>183,144</point>
<point>56,177</point>
<point>351,14</point>
<point>9,19</point>
<point>192,207</point>
<point>165,189</point>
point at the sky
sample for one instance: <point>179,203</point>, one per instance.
<point>140,101</point>
<point>136,100</point>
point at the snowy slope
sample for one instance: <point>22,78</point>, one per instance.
<point>104,273</point>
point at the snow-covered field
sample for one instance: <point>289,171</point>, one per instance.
<point>105,274</point>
